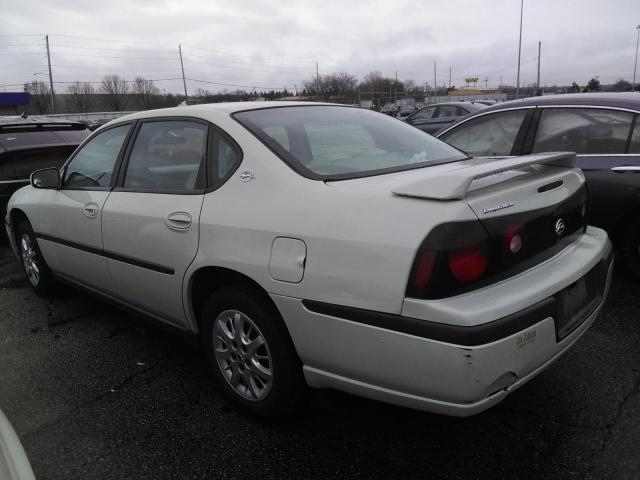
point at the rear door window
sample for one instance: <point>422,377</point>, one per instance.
<point>583,130</point>
<point>487,135</point>
<point>167,156</point>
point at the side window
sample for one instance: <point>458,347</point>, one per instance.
<point>226,159</point>
<point>93,165</point>
<point>487,135</point>
<point>582,130</point>
<point>424,114</point>
<point>447,111</point>
<point>634,146</point>
<point>168,156</point>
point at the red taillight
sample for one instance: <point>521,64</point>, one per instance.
<point>468,264</point>
<point>425,267</point>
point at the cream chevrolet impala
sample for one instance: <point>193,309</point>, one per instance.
<point>324,245</point>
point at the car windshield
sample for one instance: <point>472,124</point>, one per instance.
<point>331,142</point>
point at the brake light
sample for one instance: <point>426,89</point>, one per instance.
<point>468,264</point>
<point>425,268</point>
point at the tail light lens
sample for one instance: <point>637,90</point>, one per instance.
<point>468,265</point>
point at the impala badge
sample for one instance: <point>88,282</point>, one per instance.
<point>247,176</point>
<point>559,227</point>
<point>497,207</point>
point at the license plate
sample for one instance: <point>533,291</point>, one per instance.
<point>575,307</point>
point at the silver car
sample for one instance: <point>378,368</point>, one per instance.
<point>324,245</point>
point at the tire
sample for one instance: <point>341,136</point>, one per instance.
<point>33,264</point>
<point>263,380</point>
<point>631,248</point>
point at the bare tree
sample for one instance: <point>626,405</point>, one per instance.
<point>40,95</point>
<point>81,96</point>
<point>116,90</point>
<point>146,91</point>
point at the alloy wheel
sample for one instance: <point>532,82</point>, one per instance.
<point>243,355</point>
<point>29,260</point>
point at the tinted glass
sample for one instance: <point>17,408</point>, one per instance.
<point>489,135</point>
<point>93,165</point>
<point>167,156</point>
<point>447,111</point>
<point>582,130</point>
<point>424,114</point>
<point>342,142</point>
<point>227,156</point>
<point>71,135</point>
<point>634,146</point>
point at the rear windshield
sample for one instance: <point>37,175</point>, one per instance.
<point>332,142</point>
<point>10,140</point>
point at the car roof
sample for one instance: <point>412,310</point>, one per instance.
<point>213,110</point>
<point>628,100</point>
<point>600,99</point>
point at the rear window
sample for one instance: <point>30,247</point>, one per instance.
<point>11,140</point>
<point>327,142</point>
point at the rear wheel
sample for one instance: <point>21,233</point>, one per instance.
<point>631,248</point>
<point>33,263</point>
<point>250,353</point>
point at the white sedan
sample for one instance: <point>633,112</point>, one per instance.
<point>324,245</point>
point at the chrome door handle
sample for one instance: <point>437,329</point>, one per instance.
<point>626,168</point>
<point>91,209</point>
<point>179,221</point>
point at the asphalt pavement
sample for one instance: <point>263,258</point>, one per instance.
<point>94,393</point>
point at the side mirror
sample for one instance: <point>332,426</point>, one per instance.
<point>47,178</point>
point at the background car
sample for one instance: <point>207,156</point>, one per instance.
<point>32,143</point>
<point>389,109</point>
<point>435,117</point>
<point>602,128</point>
<point>405,111</point>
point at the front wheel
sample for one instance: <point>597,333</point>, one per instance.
<point>250,353</point>
<point>33,263</point>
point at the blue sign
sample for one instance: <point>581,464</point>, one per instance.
<point>10,99</point>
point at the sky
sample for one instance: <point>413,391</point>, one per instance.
<point>274,44</point>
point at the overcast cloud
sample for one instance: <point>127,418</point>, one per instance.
<point>274,44</point>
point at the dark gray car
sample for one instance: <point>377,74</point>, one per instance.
<point>435,117</point>
<point>602,128</point>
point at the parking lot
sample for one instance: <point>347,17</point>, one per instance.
<point>95,393</point>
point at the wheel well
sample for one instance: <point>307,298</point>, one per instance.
<point>16,217</point>
<point>208,279</point>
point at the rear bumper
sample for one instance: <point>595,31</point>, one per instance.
<point>443,368</point>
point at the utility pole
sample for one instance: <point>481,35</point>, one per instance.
<point>184,82</point>
<point>435,84</point>
<point>395,90</point>
<point>53,100</point>
<point>317,82</point>
<point>449,77</point>
<point>501,84</point>
<point>486,81</point>
<point>633,84</point>
<point>539,50</point>
<point>519,49</point>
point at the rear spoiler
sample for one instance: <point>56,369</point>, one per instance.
<point>455,184</point>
